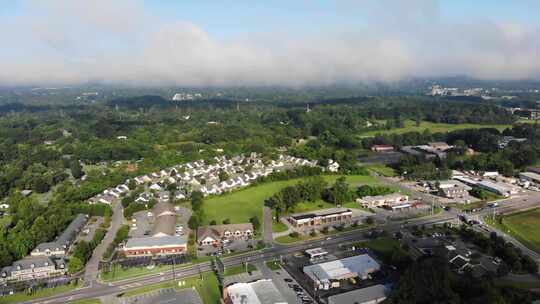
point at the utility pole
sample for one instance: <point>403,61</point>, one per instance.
<point>173,269</point>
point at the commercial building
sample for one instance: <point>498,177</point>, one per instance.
<point>453,189</point>
<point>382,148</point>
<point>155,246</point>
<point>321,218</point>
<point>61,245</point>
<point>330,274</point>
<point>216,234</point>
<point>369,295</point>
<point>496,188</point>
<point>33,268</point>
<point>258,292</point>
<point>530,176</point>
<point>394,201</point>
<point>164,239</point>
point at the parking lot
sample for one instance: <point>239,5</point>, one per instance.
<point>287,285</point>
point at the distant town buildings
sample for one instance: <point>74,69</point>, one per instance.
<point>506,140</point>
<point>186,96</point>
<point>382,148</point>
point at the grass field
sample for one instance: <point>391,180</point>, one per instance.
<point>279,227</point>
<point>524,227</point>
<point>238,269</point>
<point>240,206</point>
<point>382,170</point>
<point>410,126</point>
<point>207,287</point>
<point>41,293</point>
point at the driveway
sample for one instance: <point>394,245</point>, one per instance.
<point>267,226</point>
<point>92,267</point>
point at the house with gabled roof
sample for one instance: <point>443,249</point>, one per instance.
<point>215,234</point>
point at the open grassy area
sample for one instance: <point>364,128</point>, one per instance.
<point>382,170</point>
<point>240,206</point>
<point>410,126</point>
<point>278,227</point>
<point>524,227</point>
<point>238,269</point>
<point>207,287</point>
<point>120,273</point>
<point>40,293</point>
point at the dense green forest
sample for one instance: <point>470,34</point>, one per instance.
<point>66,154</point>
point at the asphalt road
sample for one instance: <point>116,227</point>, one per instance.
<point>97,290</point>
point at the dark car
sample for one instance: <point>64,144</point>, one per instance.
<point>287,280</point>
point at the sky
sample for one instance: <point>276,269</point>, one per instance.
<point>244,43</point>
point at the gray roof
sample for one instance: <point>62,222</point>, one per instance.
<point>68,236</point>
<point>263,291</point>
<point>155,241</point>
<point>360,296</point>
<point>359,265</point>
<point>36,262</point>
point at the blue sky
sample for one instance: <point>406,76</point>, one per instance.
<point>303,42</point>
<point>230,18</point>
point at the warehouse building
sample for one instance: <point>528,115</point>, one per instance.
<point>259,292</point>
<point>331,274</point>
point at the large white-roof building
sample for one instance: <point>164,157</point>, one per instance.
<point>369,295</point>
<point>327,275</point>
<point>258,292</point>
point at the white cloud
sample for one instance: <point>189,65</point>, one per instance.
<point>71,42</point>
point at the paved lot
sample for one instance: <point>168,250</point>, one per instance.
<point>92,226</point>
<point>278,278</point>
<point>143,224</point>
<point>165,296</point>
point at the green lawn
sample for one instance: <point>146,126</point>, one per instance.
<point>287,239</point>
<point>238,269</point>
<point>279,227</point>
<point>132,272</point>
<point>207,287</point>
<point>240,206</point>
<point>273,265</point>
<point>382,170</point>
<point>410,126</point>
<point>41,293</point>
<point>524,227</point>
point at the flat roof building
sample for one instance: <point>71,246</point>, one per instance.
<point>258,292</point>
<point>321,218</point>
<point>369,295</point>
<point>390,200</point>
<point>155,245</point>
<point>530,176</point>
<point>328,275</point>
